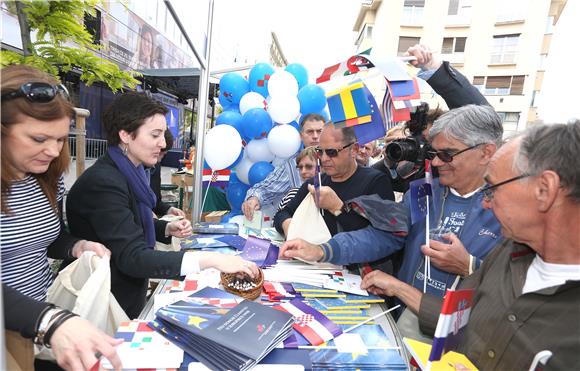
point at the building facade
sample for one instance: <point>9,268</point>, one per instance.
<point>501,46</point>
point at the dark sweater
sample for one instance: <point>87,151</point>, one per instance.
<point>364,181</point>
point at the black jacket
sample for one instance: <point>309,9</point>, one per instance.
<point>101,207</point>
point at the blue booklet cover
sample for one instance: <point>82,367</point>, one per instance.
<point>372,336</point>
<point>247,329</point>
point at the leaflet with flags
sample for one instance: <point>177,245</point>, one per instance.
<point>452,321</point>
<point>419,190</point>
<point>309,322</point>
<point>352,65</point>
<point>217,178</point>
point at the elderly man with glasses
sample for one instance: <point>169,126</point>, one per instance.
<point>526,307</point>
<point>342,180</point>
<point>463,140</point>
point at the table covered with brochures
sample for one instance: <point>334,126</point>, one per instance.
<point>298,322</point>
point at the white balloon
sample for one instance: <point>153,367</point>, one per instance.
<point>258,150</point>
<point>243,168</point>
<point>284,108</point>
<point>284,140</point>
<point>222,146</point>
<point>282,83</point>
<point>252,100</point>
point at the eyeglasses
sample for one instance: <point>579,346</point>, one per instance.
<point>331,152</point>
<point>447,156</point>
<point>489,190</point>
<point>37,92</point>
<point>305,166</point>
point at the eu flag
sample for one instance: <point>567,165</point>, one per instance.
<point>419,190</point>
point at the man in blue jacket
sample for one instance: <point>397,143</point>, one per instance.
<point>464,140</point>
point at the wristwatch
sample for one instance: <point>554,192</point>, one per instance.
<point>344,209</point>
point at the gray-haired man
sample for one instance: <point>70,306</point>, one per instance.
<point>526,308</point>
<point>464,140</point>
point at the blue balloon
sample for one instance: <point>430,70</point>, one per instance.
<point>259,171</point>
<point>224,102</point>
<point>234,177</point>
<point>258,78</point>
<point>312,99</point>
<point>324,114</point>
<point>232,88</point>
<point>299,72</point>
<point>295,124</point>
<point>231,118</point>
<point>236,194</point>
<point>232,108</point>
<point>256,123</point>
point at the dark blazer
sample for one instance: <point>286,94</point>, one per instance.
<point>454,88</point>
<point>101,207</point>
<point>161,207</point>
<point>21,312</point>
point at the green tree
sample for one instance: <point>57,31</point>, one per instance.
<point>63,42</point>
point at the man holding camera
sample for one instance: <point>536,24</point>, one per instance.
<point>463,140</point>
<point>454,88</point>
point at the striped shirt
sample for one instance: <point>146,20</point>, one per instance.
<point>277,183</point>
<point>287,198</point>
<point>25,234</point>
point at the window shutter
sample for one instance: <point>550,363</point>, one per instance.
<point>498,82</point>
<point>407,42</point>
<point>453,7</point>
<point>517,85</point>
<point>418,3</point>
<point>460,44</point>
<point>447,46</point>
<point>478,80</point>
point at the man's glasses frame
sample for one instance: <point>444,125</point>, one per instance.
<point>447,157</point>
<point>331,152</point>
<point>37,92</point>
<point>489,190</point>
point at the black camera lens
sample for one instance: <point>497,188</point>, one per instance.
<point>403,150</point>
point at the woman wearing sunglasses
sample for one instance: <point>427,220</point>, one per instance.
<point>36,116</point>
<point>111,202</point>
<point>306,161</point>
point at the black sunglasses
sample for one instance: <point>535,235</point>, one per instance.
<point>447,156</point>
<point>489,190</point>
<point>331,152</point>
<point>37,92</point>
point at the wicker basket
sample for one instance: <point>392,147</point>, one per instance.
<point>250,294</point>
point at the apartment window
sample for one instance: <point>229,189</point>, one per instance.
<point>459,11</point>
<point>503,85</point>
<point>511,11</point>
<point>405,43</point>
<point>413,12</point>
<point>504,48</point>
<point>365,34</point>
<point>510,120</point>
<point>453,45</point>
<point>549,25</point>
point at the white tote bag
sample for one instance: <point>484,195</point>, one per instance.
<point>84,287</point>
<point>308,224</point>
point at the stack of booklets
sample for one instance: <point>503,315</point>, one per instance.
<point>221,330</point>
<point>215,228</point>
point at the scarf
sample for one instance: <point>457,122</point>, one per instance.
<point>139,184</point>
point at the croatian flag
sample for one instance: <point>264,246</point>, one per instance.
<point>309,322</point>
<point>419,190</point>
<point>452,321</point>
<point>277,291</point>
<point>218,178</point>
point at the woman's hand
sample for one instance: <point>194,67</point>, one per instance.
<point>179,228</point>
<point>83,245</point>
<point>76,342</point>
<point>228,264</point>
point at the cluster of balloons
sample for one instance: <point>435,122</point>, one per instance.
<point>259,123</point>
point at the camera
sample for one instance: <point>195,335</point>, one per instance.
<point>414,147</point>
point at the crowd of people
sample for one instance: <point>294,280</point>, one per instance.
<point>511,212</point>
